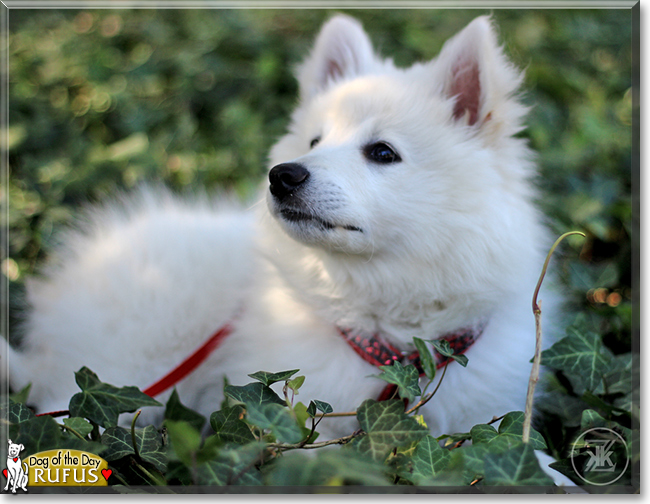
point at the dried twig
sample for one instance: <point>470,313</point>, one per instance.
<point>537,311</point>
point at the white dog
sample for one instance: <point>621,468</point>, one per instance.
<point>400,204</point>
<point>16,470</point>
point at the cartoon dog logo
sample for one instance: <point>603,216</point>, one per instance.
<point>16,471</point>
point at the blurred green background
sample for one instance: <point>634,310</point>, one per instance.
<point>103,100</point>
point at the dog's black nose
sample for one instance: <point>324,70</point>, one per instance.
<point>285,178</point>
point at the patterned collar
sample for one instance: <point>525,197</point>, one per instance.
<point>373,349</point>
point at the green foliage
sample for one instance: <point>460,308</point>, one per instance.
<point>427,460</point>
<point>102,403</point>
<point>405,377</point>
<point>326,468</point>
<point>253,393</point>
<point>102,100</point>
<point>515,467</point>
<point>320,406</point>
<point>119,444</point>
<point>581,356</point>
<point>271,378</point>
<point>426,358</point>
<point>444,349</point>
<point>592,388</point>
<point>277,419</point>
<point>385,427</point>
<point>175,410</point>
<point>255,432</point>
<point>40,433</point>
<point>229,426</point>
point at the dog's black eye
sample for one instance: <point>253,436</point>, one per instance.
<point>314,142</point>
<point>381,152</point>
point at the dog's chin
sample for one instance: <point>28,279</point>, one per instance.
<point>320,231</point>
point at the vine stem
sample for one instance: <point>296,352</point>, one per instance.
<point>537,312</point>
<point>342,440</point>
<point>70,429</point>
<point>340,414</point>
<point>133,438</point>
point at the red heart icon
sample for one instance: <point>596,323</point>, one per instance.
<point>15,459</point>
<point>4,471</point>
<point>107,473</point>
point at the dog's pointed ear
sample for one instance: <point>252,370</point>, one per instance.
<point>342,50</point>
<point>475,73</point>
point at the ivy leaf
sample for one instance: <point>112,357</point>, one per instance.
<point>326,467</point>
<point>386,427</point>
<point>80,425</point>
<point>444,348</point>
<point>453,439</point>
<point>39,434</point>
<point>515,467</point>
<point>428,460</point>
<point>267,378</point>
<point>119,444</point>
<point>185,441</point>
<point>22,395</point>
<point>44,433</point>
<point>296,383</point>
<point>618,378</point>
<point>426,358</point>
<point>229,426</point>
<point>187,445</point>
<point>472,460</point>
<point>175,410</point>
<point>556,401</point>
<point>253,393</point>
<point>512,426</point>
<point>510,433</point>
<point>591,419</point>
<point>405,377</point>
<point>461,359</point>
<point>232,467</point>
<point>321,406</point>
<point>581,357</point>
<point>15,412</point>
<point>102,403</point>
<point>96,409</point>
<point>277,419</point>
<point>483,433</point>
<point>301,414</point>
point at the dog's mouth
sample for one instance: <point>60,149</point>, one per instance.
<point>297,216</point>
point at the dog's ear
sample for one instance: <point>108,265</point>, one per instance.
<point>342,50</point>
<point>20,448</point>
<point>9,441</point>
<point>475,73</point>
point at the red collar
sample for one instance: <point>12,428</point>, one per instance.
<point>191,362</point>
<point>378,352</point>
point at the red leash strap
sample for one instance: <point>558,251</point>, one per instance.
<point>191,363</point>
<point>182,370</point>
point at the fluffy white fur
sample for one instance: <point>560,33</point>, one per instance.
<point>446,237</point>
